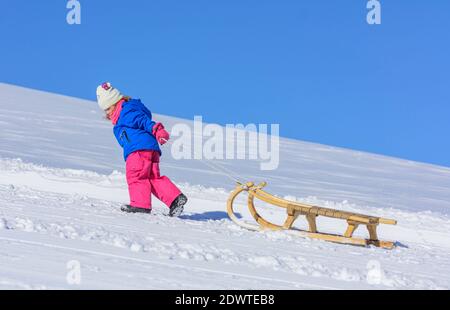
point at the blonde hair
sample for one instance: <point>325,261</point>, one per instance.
<point>126,98</point>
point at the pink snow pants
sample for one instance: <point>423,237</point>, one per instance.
<point>144,179</point>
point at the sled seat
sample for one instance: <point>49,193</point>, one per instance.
<point>296,209</point>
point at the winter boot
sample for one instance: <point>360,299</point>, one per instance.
<point>131,209</point>
<point>177,206</point>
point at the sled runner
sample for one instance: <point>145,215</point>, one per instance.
<point>295,209</point>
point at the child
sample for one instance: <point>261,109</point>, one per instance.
<point>139,136</point>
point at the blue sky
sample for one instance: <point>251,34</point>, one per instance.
<point>315,67</point>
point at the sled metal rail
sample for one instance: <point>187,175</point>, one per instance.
<point>295,209</point>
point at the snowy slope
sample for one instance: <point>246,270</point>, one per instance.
<point>62,182</point>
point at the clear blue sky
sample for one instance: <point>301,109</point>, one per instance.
<point>316,67</point>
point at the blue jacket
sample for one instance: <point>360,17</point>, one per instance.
<point>134,127</point>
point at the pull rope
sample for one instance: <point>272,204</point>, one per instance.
<point>216,167</point>
<point>221,170</point>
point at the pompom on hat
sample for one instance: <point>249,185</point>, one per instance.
<point>107,96</point>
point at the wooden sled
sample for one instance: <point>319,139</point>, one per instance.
<point>295,209</point>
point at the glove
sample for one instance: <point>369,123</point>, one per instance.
<point>161,135</point>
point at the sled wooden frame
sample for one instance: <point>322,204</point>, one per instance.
<point>295,209</point>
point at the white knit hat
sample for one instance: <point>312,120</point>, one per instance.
<point>107,96</point>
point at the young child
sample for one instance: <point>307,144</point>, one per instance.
<point>139,136</point>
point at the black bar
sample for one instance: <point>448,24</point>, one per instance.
<point>222,299</point>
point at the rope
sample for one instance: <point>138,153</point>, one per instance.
<point>216,167</point>
<point>221,170</point>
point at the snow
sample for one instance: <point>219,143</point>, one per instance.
<point>62,182</point>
